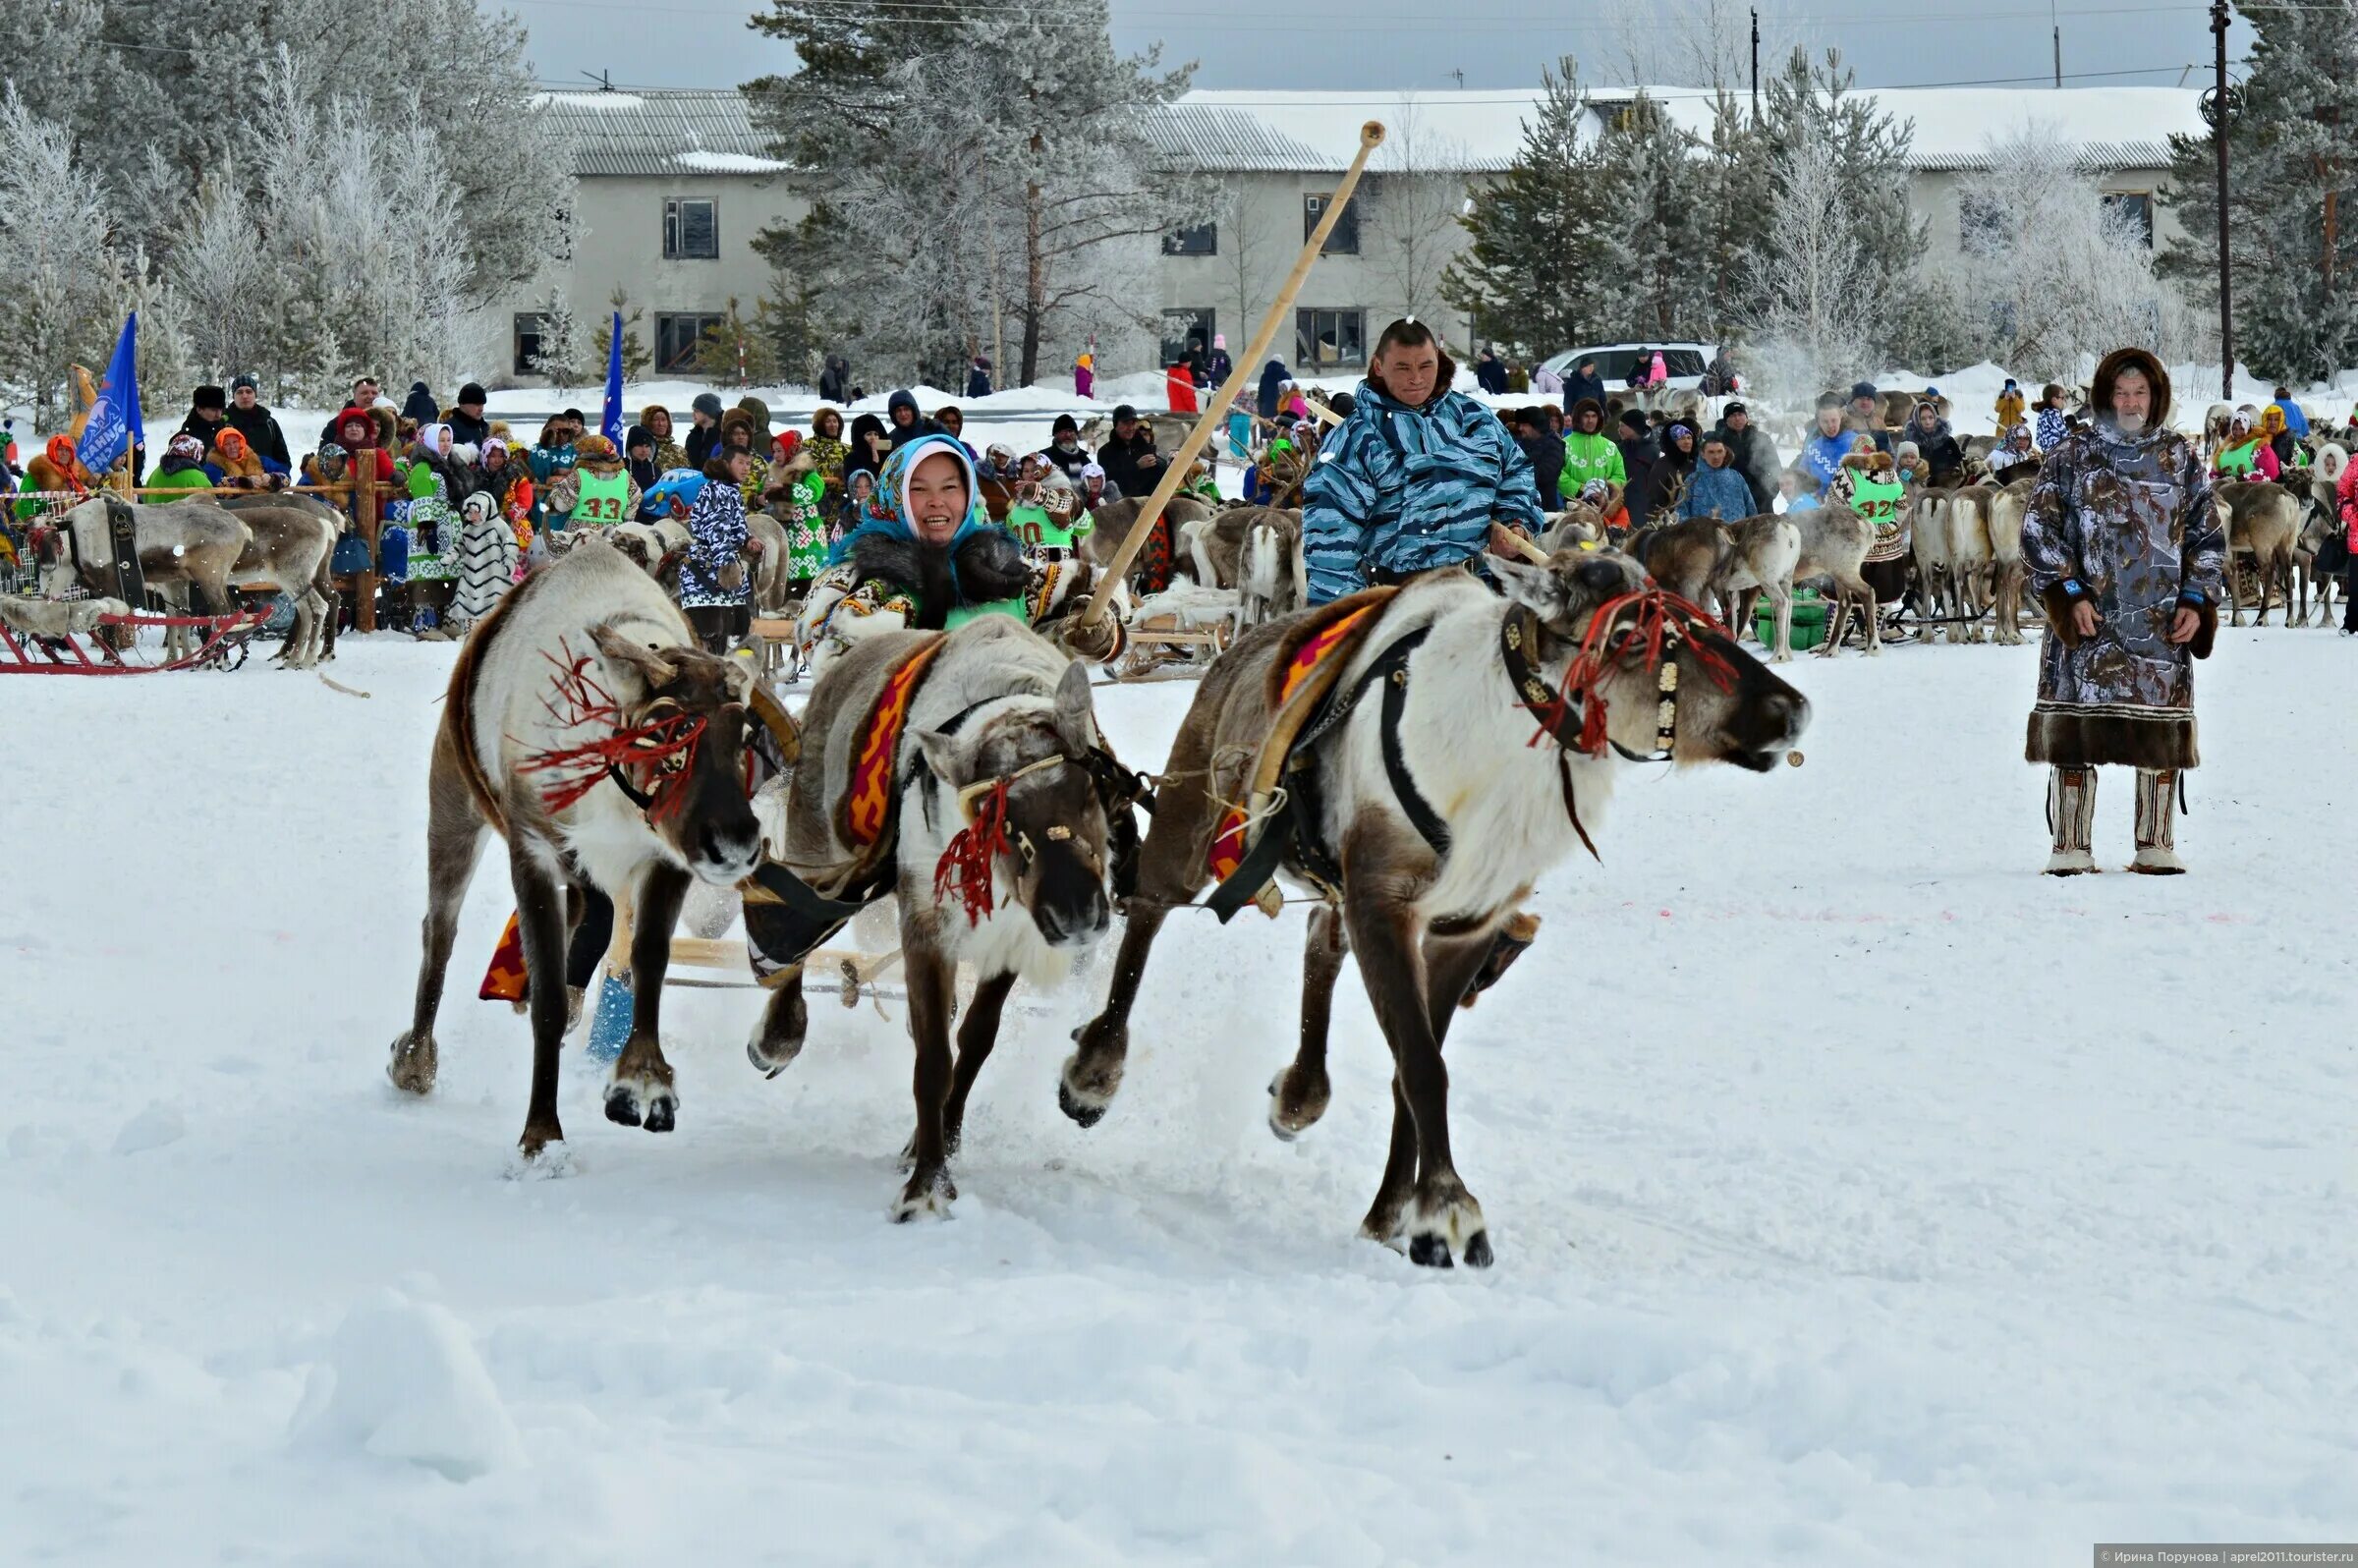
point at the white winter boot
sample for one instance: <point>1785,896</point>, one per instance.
<point>2071,812</point>
<point>2157,812</point>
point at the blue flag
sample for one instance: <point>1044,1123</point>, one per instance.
<point>611,424</point>
<point>114,427</point>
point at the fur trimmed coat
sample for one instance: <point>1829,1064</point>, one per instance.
<point>2124,524</point>
<point>889,584</point>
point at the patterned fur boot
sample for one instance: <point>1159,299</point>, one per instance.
<point>2071,812</point>
<point>2156,811</point>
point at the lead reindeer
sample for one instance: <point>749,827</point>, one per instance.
<point>963,773</point>
<point>1451,747</point>
<point>584,725</point>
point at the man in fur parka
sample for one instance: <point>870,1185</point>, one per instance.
<point>2125,553</point>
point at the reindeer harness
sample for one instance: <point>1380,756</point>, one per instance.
<point>1571,713</point>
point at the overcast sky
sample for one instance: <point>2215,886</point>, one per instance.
<point>1389,45</point>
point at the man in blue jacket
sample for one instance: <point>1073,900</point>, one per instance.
<point>1419,477</point>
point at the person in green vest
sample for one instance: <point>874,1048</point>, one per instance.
<point>1049,520</point>
<point>927,558</point>
<point>2246,454</point>
<point>599,491</point>
<point>1589,453</point>
<point>1869,486</point>
<point>183,471</point>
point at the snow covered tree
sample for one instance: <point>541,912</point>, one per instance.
<point>59,273</point>
<point>1650,165</point>
<point>218,270</point>
<point>738,350</point>
<point>1731,172</point>
<point>2292,150</point>
<point>999,170</point>
<point>563,355</point>
<point>1809,104</point>
<point>1813,297</point>
<point>1536,272</point>
<point>2051,272</point>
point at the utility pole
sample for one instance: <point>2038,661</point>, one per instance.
<point>2218,140</point>
<point>1756,66</point>
<point>2057,23</point>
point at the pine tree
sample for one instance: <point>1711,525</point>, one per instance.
<point>1650,165</point>
<point>1541,233</point>
<point>635,356</point>
<point>563,355</point>
<point>997,175</point>
<point>737,350</point>
<point>1864,151</point>
<point>2293,198</point>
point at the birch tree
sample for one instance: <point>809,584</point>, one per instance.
<point>1812,296</point>
<point>1412,202</point>
<point>58,260</point>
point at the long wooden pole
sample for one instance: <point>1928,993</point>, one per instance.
<point>1216,412</point>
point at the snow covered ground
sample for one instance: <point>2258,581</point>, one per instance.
<point>1860,1196</point>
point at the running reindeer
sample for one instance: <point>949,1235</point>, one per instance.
<point>1411,761</point>
<point>585,726</point>
<point>963,773</point>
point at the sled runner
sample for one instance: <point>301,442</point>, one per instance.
<point>45,637</point>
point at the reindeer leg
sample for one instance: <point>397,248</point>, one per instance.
<point>933,992</point>
<point>1781,595</point>
<point>541,919</point>
<point>454,842</point>
<point>1092,1074</point>
<point>977,1033</point>
<point>1442,1220</point>
<point>1299,1093</point>
<point>639,1093</point>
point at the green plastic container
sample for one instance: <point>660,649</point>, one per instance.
<point>1809,619</point>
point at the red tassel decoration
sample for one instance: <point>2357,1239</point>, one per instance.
<point>575,770</point>
<point>964,870</point>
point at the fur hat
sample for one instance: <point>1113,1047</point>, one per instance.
<point>739,422</point>
<point>594,449</point>
<point>2108,372</point>
<point>208,397</point>
<point>472,392</point>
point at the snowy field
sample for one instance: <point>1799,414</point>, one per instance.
<point>1860,1196</point>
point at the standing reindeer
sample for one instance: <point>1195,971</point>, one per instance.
<point>1416,803</point>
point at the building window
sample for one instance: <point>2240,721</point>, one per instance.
<point>531,325</point>
<point>2139,206</point>
<point>1326,340</point>
<point>1184,328</point>
<point>1344,241</point>
<point>690,231</point>
<point>1204,239</point>
<point>677,334</point>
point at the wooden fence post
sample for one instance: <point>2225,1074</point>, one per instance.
<point>363,463</point>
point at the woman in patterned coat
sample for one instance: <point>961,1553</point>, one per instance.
<point>486,560</point>
<point>2123,549</point>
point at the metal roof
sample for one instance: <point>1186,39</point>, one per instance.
<point>2096,157</point>
<point>1225,141</point>
<point>700,130</point>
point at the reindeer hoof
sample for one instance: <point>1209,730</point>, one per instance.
<point>1444,1228</point>
<point>414,1063</point>
<point>1296,1101</point>
<point>542,1155</point>
<point>643,1101</point>
<point>926,1198</point>
<point>1087,1113</point>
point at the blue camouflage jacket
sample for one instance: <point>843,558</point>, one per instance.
<point>1400,489</point>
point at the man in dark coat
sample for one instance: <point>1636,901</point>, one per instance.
<point>420,406</point>
<point>468,425</point>
<point>704,433</point>
<point>1584,382</point>
<point>1546,451</point>
<point>904,422</point>
<point>1064,449</point>
<point>1272,382</point>
<point>835,381</point>
<point>978,378</point>
<point>1490,373</point>
<point>1640,451</point>
<point>250,419</point>
<point>208,411</point>
<point>1132,464</point>
<point>1751,453</point>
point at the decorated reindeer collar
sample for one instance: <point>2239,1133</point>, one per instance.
<point>1649,621</point>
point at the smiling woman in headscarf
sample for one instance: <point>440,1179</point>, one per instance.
<point>927,558</point>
